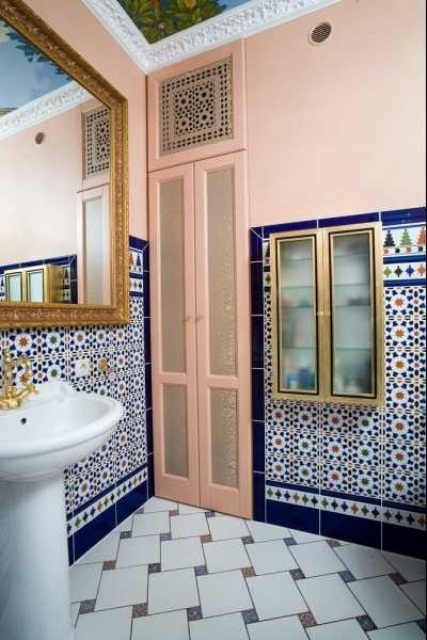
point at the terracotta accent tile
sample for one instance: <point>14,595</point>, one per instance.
<point>109,565</point>
<point>248,572</point>
<point>205,538</point>
<point>140,610</point>
<point>307,619</point>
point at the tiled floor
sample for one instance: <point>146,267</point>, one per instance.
<point>173,572</point>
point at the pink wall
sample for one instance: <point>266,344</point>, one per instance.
<point>77,25</point>
<point>338,128</point>
<point>38,190</point>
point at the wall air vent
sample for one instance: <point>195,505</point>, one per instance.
<point>97,142</point>
<point>196,107</point>
<point>320,33</point>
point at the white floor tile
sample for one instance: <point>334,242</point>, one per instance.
<point>103,551</point>
<point>179,554</point>
<point>126,525</point>
<point>159,504</point>
<point>122,587</point>
<point>108,625</point>
<point>147,524</point>
<point>226,527</point>
<point>163,626</point>
<point>75,612</point>
<point>386,604</point>
<point>345,629</point>
<point>409,631</point>
<point>303,536</point>
<point>329,599</point>
<point>223,593</point>
<point>275,596</point>
<point>188,508</point>
<point>270,557</point>
<point>289,628</point>
<point>230,627</point>
<point>262,532</point>
<point>417,592</point>
<point>411,568</point>
<point>139,550</point>
<point>172,590</point>
<point>226,555</point>
<point>316,559</point>
<point>189,526</point>
<point>364,562</point>
<point>84,581</point>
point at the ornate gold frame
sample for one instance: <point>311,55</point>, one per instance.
<point>13,315</point>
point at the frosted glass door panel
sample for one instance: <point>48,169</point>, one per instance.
<point>352,327</point>
<point>225,438</point>
<point>14,289</point>
<point>172,282</point>
<point>175,430</point>
<point>35,286</point>
<point>221,272</point>
<point>297,311</point>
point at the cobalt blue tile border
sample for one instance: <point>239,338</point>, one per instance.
<point>256,288</point>
<point>289,226</point>
<point>259,502</point>
<point>150,481</point>
<point>255,239</point>
<point>137,243</point>
<point>402,258</point>
<point>94,531</point>
<point>258,446</point>
<point>131,502</point>
<point>352,529</point>
<point>404,540</point>
<point>402,216</point>
<point>258,342</point>
<point>258,400</point>
<point>361,218</point>
<point>293,516</point>
<point>404,283</point>
<point>149,429</point>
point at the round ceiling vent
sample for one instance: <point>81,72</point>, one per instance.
<point>320,33</point>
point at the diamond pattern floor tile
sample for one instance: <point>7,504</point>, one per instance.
<point>176,572</point>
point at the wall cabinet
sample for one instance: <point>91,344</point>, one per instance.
<point>327,314</point>
<point>200,334</point>
<point>42,283</point>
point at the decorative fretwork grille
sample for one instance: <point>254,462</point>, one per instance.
<point>196,107</point>
<point>97,142</point>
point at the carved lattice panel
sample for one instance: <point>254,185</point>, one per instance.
<point>97,141</point>
<point>196,107</point>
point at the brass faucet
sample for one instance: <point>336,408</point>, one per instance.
<point>11,397</point>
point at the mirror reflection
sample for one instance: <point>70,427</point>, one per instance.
<point>54,182</point>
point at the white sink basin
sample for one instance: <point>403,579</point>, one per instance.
<point>53,430</point>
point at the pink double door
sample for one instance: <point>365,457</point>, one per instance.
<point>200,334</point>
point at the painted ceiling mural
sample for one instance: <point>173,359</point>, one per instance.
<point>25,73</point>
<point>158,19</point>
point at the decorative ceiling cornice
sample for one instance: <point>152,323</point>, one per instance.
<point>241,22</point>
<point>45,107</point>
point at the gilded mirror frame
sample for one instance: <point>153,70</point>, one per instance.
<point>16,315</point>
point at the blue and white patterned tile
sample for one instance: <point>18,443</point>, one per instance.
<point>336,448</point>
<point>400,486</point>
<point>136,311</point>
<point>334,418</point>
<point>405,425</point>
<point>406,456</point>
<point>404,272</point>
<point>366,421</point>
<point>335,477</point>
<point>403,394</point>
<point>366,451</point>
<point>303,442</point>
<point>20,343</point>
<point>407,301</point>
<point>304,471</point>
<point>365,481</point>
<point>404,239</point>
<point>78,339</point>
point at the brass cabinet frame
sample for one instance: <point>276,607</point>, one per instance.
<point>323,280</point>
<point>13,315</point>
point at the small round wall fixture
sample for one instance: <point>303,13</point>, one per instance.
<point>39,137</point>
<point>320,33</point>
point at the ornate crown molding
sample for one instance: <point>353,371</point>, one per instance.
<point>241,22</point>
<point>45,107</point>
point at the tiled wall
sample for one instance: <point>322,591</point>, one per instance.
<point>349,472</point>
<point>104,488</point>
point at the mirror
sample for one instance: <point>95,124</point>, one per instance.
<point>63,199</point>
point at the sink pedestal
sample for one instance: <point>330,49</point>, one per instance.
<point>34,574</point>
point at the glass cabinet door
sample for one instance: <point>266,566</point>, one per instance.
<point>296,319</point>
<point>352,300</point>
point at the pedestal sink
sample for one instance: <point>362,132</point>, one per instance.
<point>51,431</point>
